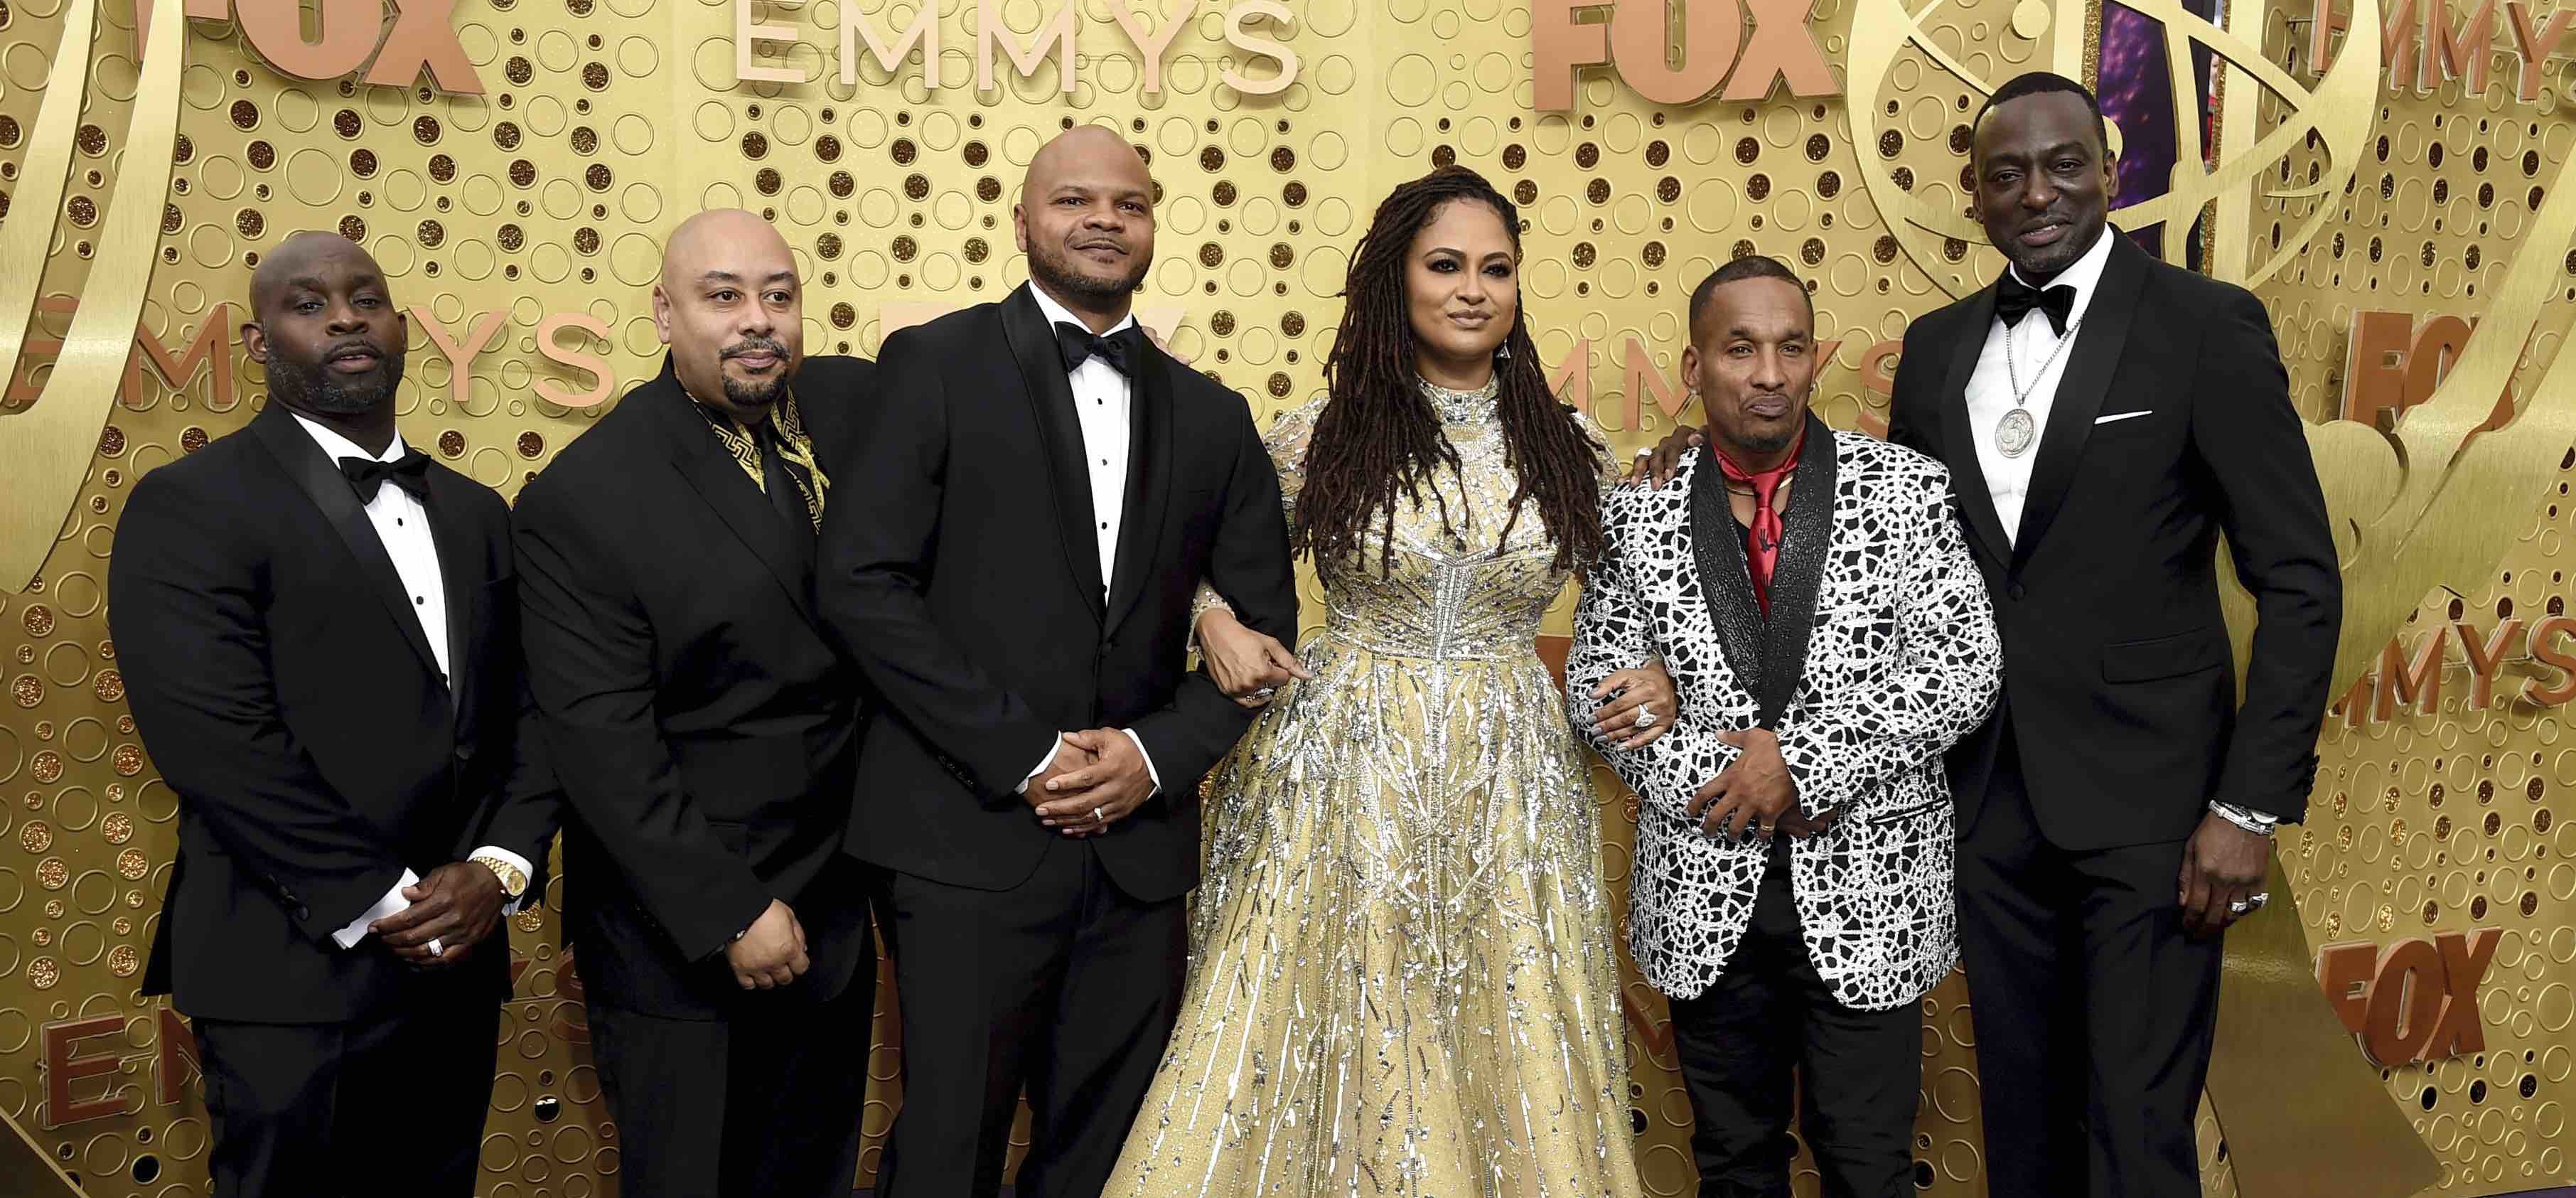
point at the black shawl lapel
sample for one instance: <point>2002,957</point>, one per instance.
<point>1806,539</point>
<point>711,471</point>
<point>1050,392</point>
<point>1717,547</point>
<point>2082,387</point>
<point>1149,471</point>
<point>1967,476</point>
<point>463,570</point>
<point>322,482</point>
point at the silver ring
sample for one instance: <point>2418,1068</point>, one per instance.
<point>1265,692</point>
<point>2250,903</point>
<point>1647,452</point>
<point>1645,715</point>
<point>1096,816</point>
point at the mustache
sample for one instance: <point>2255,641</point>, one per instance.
<point>755,345</point>
<point>353,345</point>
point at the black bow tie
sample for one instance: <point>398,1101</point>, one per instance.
<point>368,476</point>
<point>1119,349</point>
<point>2014,299</point>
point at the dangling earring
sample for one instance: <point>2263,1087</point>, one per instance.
<point>1504,354</point>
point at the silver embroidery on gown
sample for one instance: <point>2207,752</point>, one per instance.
<point>1402,979</point>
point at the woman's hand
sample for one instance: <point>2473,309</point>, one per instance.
<point>1647,688</point>
<point>1248,666</point>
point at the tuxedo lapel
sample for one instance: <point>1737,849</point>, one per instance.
<point>461,569</point>
<point>322,482</point>
<point>1050,394</point>
<point>712,472</point>
<point>1968,477</point>
<point>1717,548</point>
<point>2080,390</point>
<point>1806,539</point>
<point>1149,473</point>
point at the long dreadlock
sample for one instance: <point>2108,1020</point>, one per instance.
<point>1379,436</point>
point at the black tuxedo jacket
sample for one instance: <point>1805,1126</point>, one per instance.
<point>964,578</point>
<point>2117,673</point>
<point>285,689</point>
<point>701,721</point>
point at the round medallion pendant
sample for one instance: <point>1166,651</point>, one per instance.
<point>2015,432</point>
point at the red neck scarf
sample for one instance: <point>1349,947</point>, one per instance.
<point>1762,541</point>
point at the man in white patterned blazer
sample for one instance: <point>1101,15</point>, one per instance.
<point>1829,637</point>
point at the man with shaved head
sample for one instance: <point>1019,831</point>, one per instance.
<point>704,728</point>
<point>319,639</point>
<point>1043,490</point>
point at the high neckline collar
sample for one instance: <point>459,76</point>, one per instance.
<point>1474,407</point>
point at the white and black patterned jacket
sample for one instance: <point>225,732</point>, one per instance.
<point>1899,661</point>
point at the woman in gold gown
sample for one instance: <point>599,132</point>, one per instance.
<point>1402,979</point>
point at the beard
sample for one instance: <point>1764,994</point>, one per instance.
<point>756,393</point>
<point>1054,267</point>
<point>313,388</point>
<point>1764,442</point>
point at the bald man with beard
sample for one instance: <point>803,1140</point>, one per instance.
<point>319,639</point>
<point>1040,490</point>
<point>704,726</point>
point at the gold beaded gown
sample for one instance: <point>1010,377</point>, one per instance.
<point>1401,976</point>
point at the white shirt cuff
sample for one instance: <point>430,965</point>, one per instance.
<point>1043,764</point>
<point>393,901</point>
<point>514,861</point>
<point>1150,771</point>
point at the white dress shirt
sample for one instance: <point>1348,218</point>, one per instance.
<point>402,524</point>
<point>1990,395</point>
<point>1102,400</point>
<point>1990,390</point>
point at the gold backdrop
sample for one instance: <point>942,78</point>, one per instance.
<point>533,209</point>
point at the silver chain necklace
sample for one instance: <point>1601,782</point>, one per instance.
<point>2015,433</point>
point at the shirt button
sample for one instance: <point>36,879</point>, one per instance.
<point>1104,526</point>
<point>418,601</point>
<point>2016,591</point>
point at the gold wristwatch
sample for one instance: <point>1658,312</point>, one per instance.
<point>513,882</point>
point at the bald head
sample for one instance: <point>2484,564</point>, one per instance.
<point>326,328</point>
<point>1086,221</point>
<point>731,309</point>
<point>301,255</point>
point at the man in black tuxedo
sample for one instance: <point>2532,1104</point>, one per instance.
<point>320,639</point>
<point>704,728</point>
<point>2105,418</point>
<point>1041,491</point>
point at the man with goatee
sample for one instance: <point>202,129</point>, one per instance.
<point>704,726</point>
<point>319,637</point>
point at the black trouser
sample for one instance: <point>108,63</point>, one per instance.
<point>762,1104</point>
<point>1063,984</point>
<point>388,1105</point>
<point>2093,1009</point>
<point>1768,1023</point>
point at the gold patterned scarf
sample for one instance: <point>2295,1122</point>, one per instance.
<point>795,452</point>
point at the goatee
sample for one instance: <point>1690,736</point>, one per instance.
<point>315,389</point>
<point>1055,269</point>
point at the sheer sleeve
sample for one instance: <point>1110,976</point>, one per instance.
<point>1606,461</point>
<point>1290,432</point>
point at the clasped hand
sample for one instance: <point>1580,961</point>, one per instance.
<point>770,953</point>
<point>456,906</point>
<point>1754,793</point>
<point>1098,777</point>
